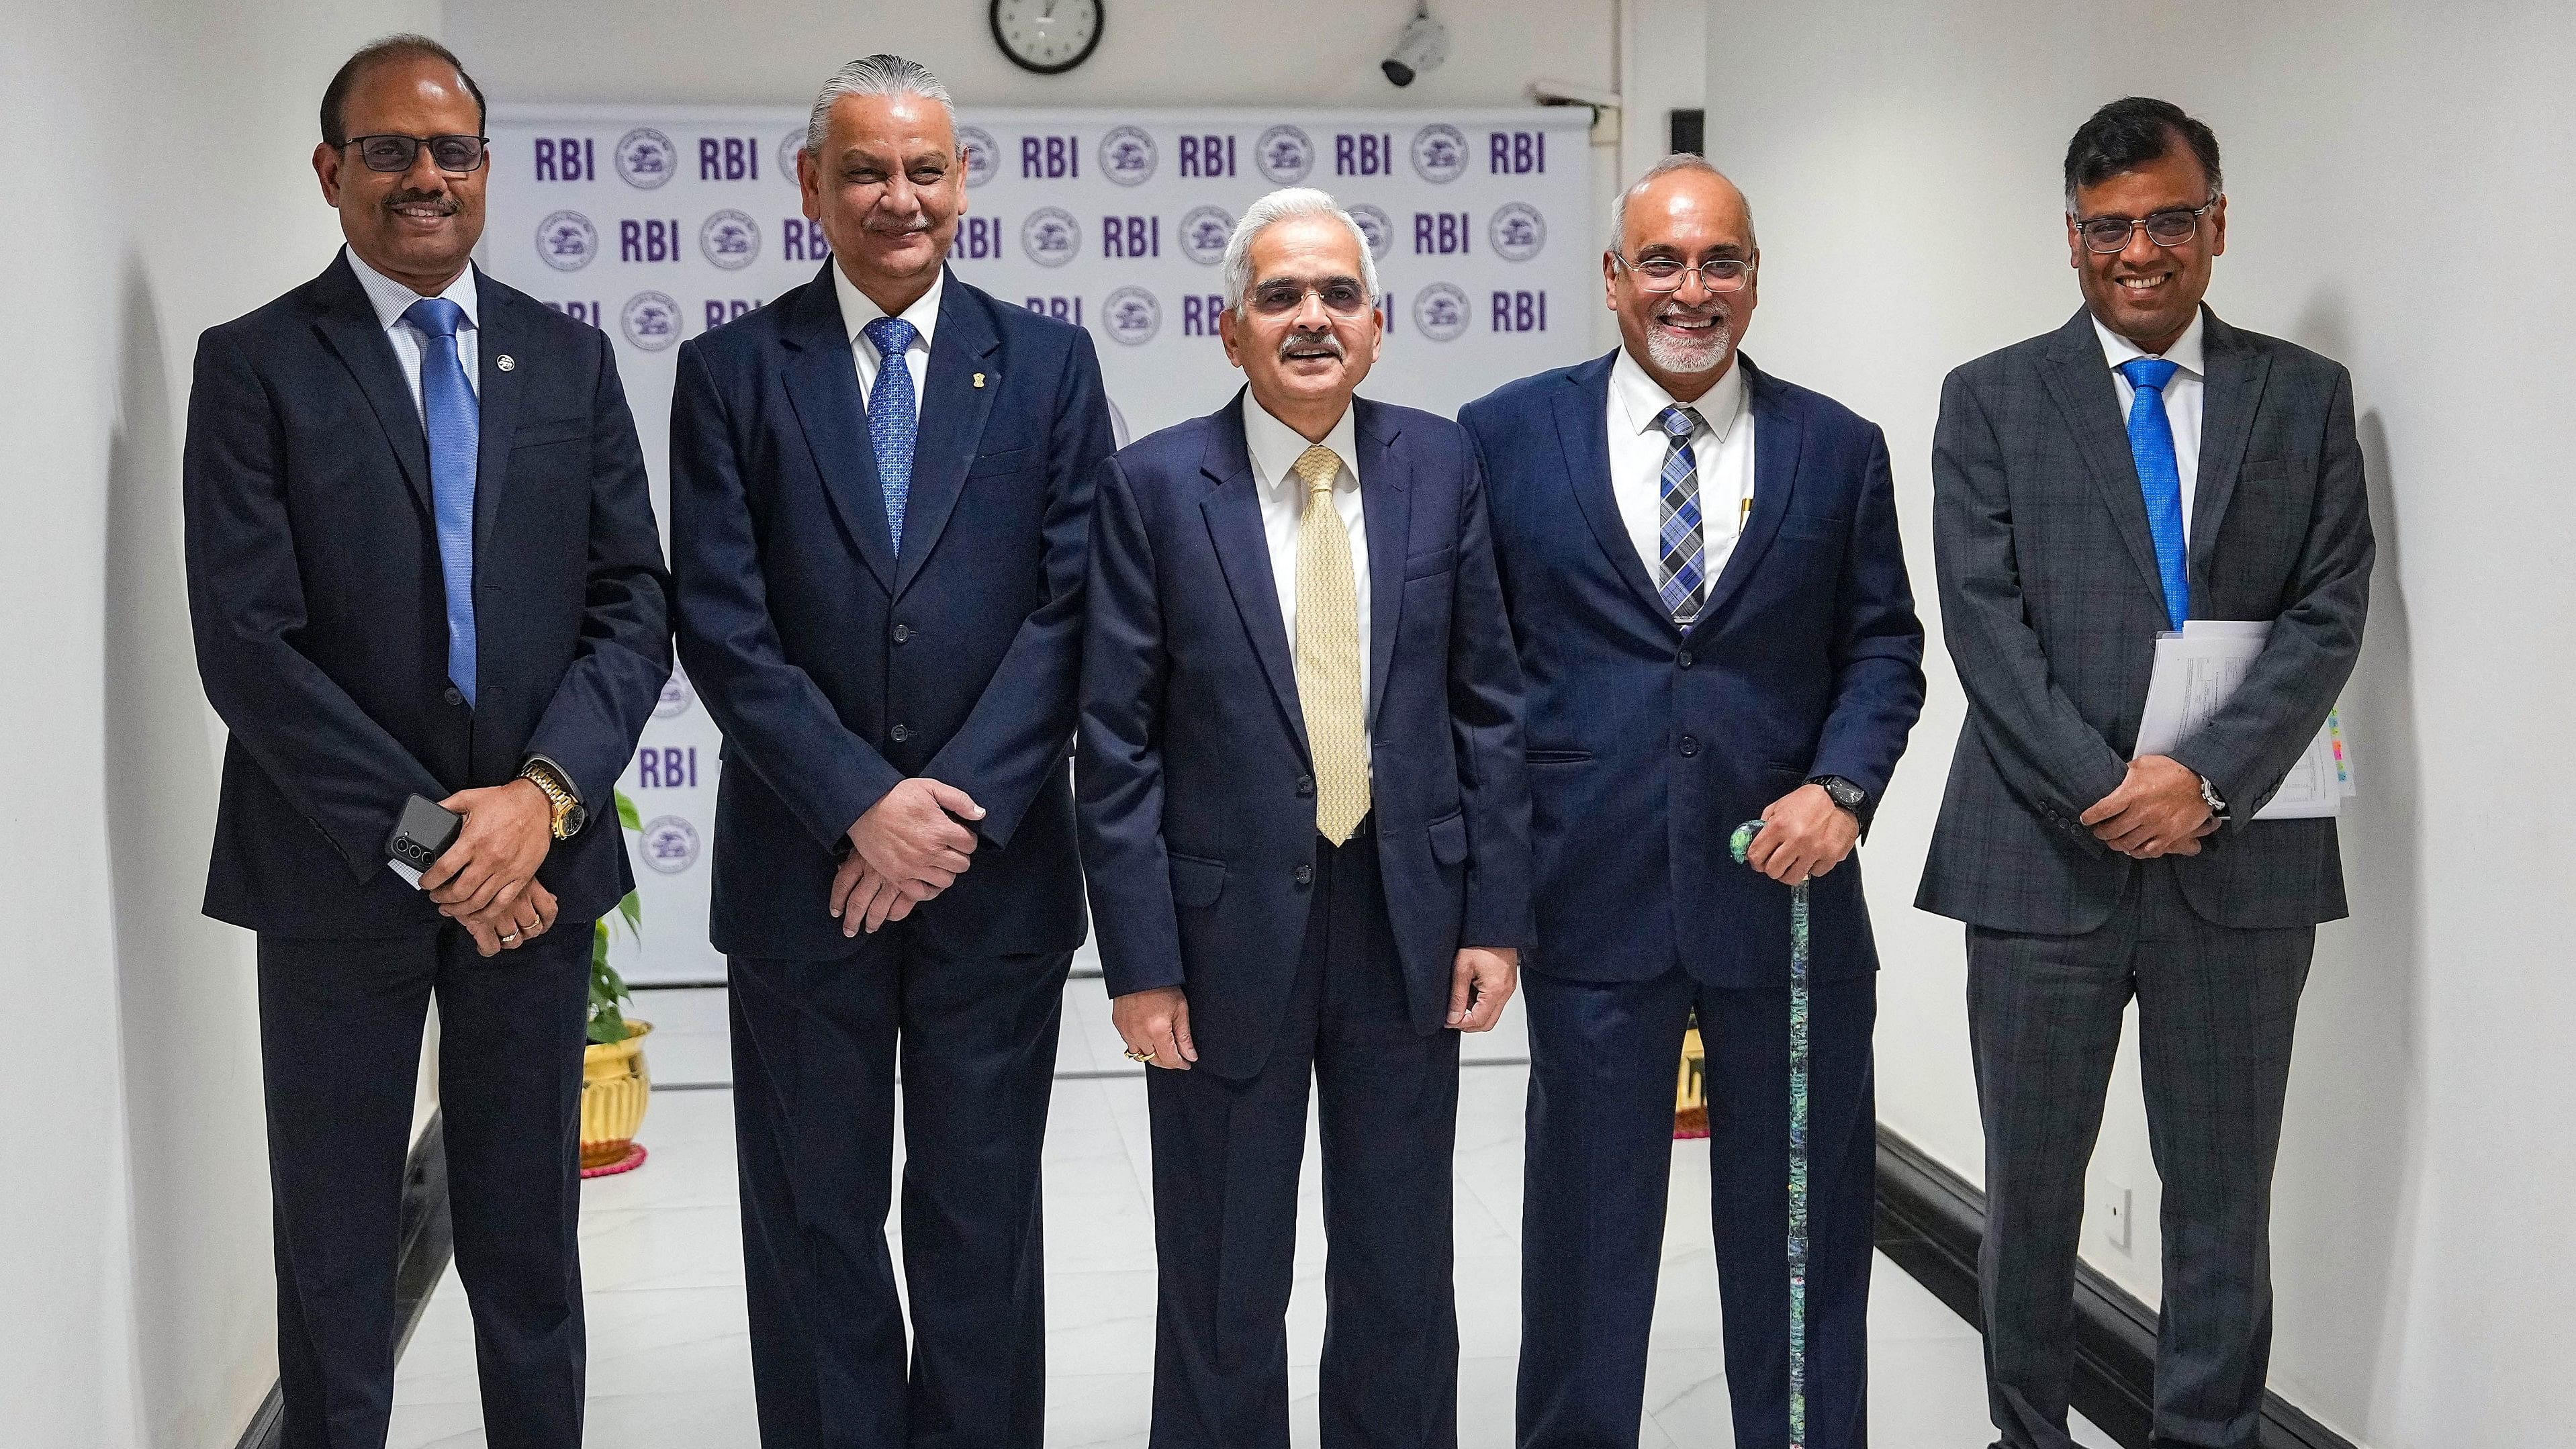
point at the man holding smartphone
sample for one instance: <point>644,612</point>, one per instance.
<point>430,604</point>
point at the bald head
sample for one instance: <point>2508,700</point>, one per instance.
<point>1696,183</point>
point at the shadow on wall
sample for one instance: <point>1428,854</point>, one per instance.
<point>185,984</point>
<point>2355,1120</point>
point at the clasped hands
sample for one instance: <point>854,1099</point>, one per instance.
<point>2157,810</point>
<point>1155,1023</point>
<point>487,880</point>
<point>906,849</point>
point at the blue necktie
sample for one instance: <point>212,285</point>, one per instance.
<point>455,426</point>
<point>893,418</point>
<point>1684,563</point>
<point>2151,443</point>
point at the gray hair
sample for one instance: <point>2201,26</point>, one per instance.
<point>1677,161</point>
<point>875,75</point>
<point>1279,206</point>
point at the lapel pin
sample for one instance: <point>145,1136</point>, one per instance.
<point>979,379</point>
<point>505,362</point>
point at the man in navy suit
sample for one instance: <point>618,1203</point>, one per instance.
<point>1703,572</point>
<point>1306,829</point>
<point>880,497</point>
<point>421,561</point>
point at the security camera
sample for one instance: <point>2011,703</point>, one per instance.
<point>1422,46</point>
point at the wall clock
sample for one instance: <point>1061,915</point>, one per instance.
<point>1047,36</point>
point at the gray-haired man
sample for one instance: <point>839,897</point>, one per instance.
<point>880,491</point>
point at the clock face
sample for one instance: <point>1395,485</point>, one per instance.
<point>1047,36</point>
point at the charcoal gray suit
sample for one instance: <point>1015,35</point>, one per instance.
<point>2051,604</point>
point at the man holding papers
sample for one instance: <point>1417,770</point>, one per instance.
<point>2143,466</point>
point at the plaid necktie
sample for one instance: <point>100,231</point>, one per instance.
<point>1328,653</point>
<point>1681,573</point>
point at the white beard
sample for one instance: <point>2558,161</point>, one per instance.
<point>1706,353</point>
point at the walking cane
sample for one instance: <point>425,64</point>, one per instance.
<point>1743,842</point>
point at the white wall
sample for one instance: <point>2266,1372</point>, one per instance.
<point>159,182</point>
<point>2400,192</point>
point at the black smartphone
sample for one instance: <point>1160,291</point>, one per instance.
<point>423,833</point>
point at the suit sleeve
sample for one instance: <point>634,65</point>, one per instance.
<point>1118,771</point>
<point>598,711</point>
<point>774,717</point>
<point>246,602</point>
<point>1015,738</point>
<point>2250,743</point>
<point>1485,719</point>
<point>1878,642</point>
<point>2039,741</point>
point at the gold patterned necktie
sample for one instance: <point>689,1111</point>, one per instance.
<point>1328,653</point>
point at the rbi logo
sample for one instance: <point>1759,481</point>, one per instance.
<point>1284,155</point>
<point>567,241</point>
<point>670,844</point>
<point>1517,231</point>
<point>1204,233</point>
<point>646,157</point>
<point>1439,153</point>
<point>650,320</point>
<point>1050,236</point>
<point>676,698</point>
<point>1127,154</point>
<point>1440,312</point>
<point>730,239</point>
<point>1132,315</point>
<point>1375,226</point>
<point>790,146</point>
<point>983,154</point>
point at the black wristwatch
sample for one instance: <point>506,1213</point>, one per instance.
<point>1844,793</point>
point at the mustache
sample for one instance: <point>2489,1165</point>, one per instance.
<point>1295,341</point>
<point>1711,310</point>
<point>413,196</point>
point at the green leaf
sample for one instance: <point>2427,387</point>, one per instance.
<point>627,815</point>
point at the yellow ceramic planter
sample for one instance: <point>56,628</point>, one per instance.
<point>1690,1091</point>
<point>614,1091</point>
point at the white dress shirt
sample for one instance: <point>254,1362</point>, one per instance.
<point>391,299</point>
<point>857,312</point>
<point>1721,447</point>
<point>1275,448</point>
<point>2183,396</point>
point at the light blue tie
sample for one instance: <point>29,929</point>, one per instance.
<point>455,426</point>
<point>2151,443</point>
<point>1683,567</point>
<point>894,419</point>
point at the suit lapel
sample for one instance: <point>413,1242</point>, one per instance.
<point>348,327</point>
<point>2231,391</point>
<point>2079,381</point>
<point>1233,512</point>
<point>1778,435</point>
<point>498,391</point>
<point>1583,431</point>
<point>953,410</point>
<point>1386,510</point>
<point>822,385</point>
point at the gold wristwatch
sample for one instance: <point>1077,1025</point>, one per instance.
<point>569,814</point>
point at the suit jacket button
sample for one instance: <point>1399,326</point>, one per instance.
<point>903,633</point>
<point>1305,785</point>
<point>455,695</point>
<point>1690,745</point>
<point>1684,659</point>
<point>1305,875</point>
<point>901,733</point>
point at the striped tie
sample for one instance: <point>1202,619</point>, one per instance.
<point>1682,571</point>
<point>1328,653</point>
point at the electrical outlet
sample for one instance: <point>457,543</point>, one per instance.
<point>2113,1205</point>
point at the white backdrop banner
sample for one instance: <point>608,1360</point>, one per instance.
<point>656,224</point>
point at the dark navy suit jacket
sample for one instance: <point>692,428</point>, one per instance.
<point>1648,746</point>
<point>321,615</point>
<point>1197,790</point>
<point>837,669</point>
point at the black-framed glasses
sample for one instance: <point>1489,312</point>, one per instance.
<point>2164,228</point>
<point>1341,296</point>
<point>1666,274</point>
<point>455,155</point>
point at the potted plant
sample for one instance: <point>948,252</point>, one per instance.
<point>615,1088</point>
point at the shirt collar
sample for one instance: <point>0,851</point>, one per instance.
<point>2187,353</point>
<point>1275,447</point>
<point>391,298</point>
<point>857,311</point>
<point>1638,399</point>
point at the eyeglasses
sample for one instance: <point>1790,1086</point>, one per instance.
<point>2164,228</point>
<point>455,155</point>
<point>1666,274</point>
<point>1341,296</point>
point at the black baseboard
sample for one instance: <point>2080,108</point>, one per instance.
<point>1929,1223</point>
<point>428,1240</point>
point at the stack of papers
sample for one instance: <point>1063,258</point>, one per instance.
<point>2196,670</point>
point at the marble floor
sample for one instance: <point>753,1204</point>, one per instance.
<point>670,1361</point>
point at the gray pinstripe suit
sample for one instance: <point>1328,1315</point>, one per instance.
<point>2051,604</point>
